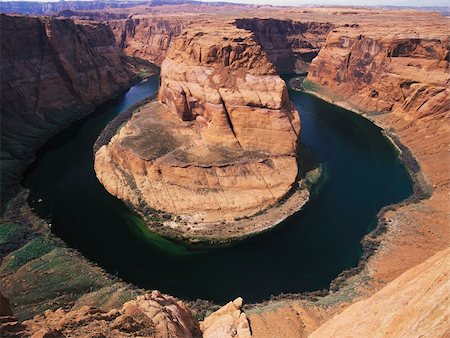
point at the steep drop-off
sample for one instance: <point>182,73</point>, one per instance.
<point>290,45</point>
<point>399,78</point>
<point>147,38</point>
<point>386,72</point>
<point>219,146</point>
<point>53,71</point>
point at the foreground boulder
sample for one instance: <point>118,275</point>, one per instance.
<point>227,322</point>
<point>150,315</point>
<point>218,146</point>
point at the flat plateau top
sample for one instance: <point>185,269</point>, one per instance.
<point>156,134</point>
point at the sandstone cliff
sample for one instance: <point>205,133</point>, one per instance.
<point>290,45</point>
<point>147,38</point>
<point>220,144</point>
<point>416,304</point>
<point>398,76</point>
<point>386,72</point>
<point>53,71</point>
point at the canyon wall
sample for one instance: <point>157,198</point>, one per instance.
<point>219,146</point>
<point>147,38</point>
<point>290,45</point>
<point>53,72</point>
<point>398,76</point>
<point>386,72</point>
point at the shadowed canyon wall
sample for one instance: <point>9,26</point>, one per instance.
<point>53,72</point>
<point>147,38</point>
<point>290,45</point>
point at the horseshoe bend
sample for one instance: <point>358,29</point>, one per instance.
<point>147,148</point>
<point>217,146</point>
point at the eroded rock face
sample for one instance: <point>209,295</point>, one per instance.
<point>53,71</point>
<point>147,38</point>
<point>383,72</point>
<point>290,45</point>
<point>227,322</point>
<point>220,144</point>
<point>415,304</point>
<point>223,79</point>
<point>150,315</point>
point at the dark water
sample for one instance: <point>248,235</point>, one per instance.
<point>361,175</point>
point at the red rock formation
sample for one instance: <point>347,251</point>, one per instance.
<point>228,84</point>
<point>227,322</point>
<point>416,304</point>
<point>220,145</point>
<point>290,45</point>
<point>53,71</point>
<point>383,72</point>
<point>147,38</point>
<point>150,315</point>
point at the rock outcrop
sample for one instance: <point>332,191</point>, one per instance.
<point>416,304</point>
<point>147,38</point>
<point>219,146</point>
<point>398,76</point>
<point>386,71</point>
<point>227,322</point>
<point>223,80</point>
<point>53,72</point>
<point>290,45</point>
<point>150,315</point>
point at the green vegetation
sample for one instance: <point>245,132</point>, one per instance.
<point>138,225</point>
<point>35,248</point>
<point>311,86</point>
<point>8,231</point>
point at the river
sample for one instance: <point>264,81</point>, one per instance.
<point>361,174</point>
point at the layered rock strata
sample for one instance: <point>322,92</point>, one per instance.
<point>53,71</point>
<point>399,78</point>
<point>219,145</point>
<point>386,72</point>
<point>290,45</point>
<point>147,38</point>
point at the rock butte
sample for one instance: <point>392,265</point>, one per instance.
<point>219,145</point>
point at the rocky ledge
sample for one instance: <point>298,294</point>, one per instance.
<point>219,146</point>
